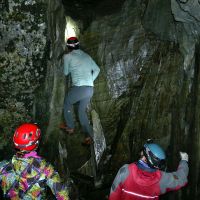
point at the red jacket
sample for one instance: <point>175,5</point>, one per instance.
<point>134,183</point>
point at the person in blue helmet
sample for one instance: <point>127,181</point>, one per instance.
<point>83,71</point>
<point>146,178</point>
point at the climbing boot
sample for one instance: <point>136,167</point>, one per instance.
<point>87,141</point>
<point>65,128</point>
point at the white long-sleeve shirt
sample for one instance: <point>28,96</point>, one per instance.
<point>82,68</point>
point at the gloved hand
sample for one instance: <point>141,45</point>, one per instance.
<point>184,156</point>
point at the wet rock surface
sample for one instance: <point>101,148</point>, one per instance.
<point>148,52</point>
<point>23,53</point>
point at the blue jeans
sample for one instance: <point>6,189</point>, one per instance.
<point>82,96</point>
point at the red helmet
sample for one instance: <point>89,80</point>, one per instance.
<point>26,137</point>
<point>72,43</point>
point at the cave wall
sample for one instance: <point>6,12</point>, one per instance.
<point>23,53</point>
<point>148,52</point>
<point>148,87</point>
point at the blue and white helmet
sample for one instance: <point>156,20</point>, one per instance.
<point>155,155</point>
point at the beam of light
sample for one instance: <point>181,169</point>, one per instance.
<point>71,29</point>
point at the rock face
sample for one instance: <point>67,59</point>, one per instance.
<point>148,52</point>
<point>23,53</point>
<point>149,83</point>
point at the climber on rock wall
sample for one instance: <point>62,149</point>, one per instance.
<point>83,71</point>
<point>27,175</point>
<point>146,179</point>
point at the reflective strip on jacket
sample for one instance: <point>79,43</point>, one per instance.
<point>133,183</point>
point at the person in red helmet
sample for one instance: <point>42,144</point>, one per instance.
<point>27,175</point>
<point>26,137</point>
<point>146,179</point>
<point>83,71</point>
